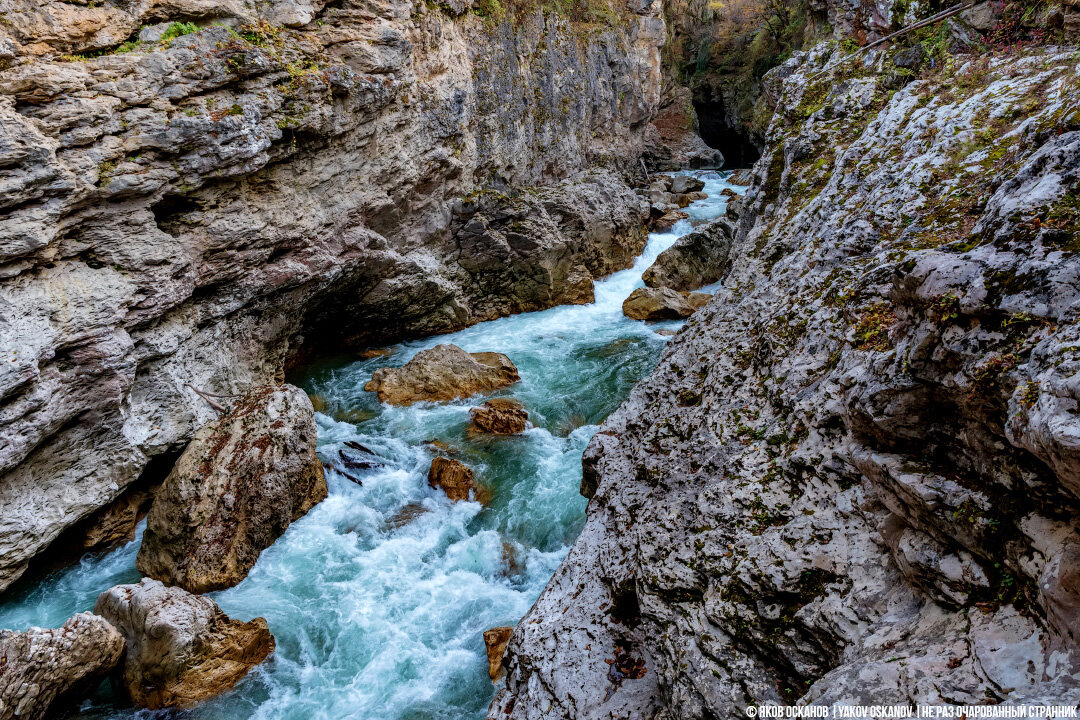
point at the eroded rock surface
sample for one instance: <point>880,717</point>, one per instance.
<point>241,482</point>
<point>42,671</point>
<point>181,648</point>
<point>454,478</point>
<point>499,416</point>
<point>662,304</point>
<point>495,641</point>
<point>199,207</point>
<point>440,374</point>
<point>852,477</point>
<point>698,258</point>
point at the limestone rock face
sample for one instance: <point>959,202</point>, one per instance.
<point>499,416</point>
<point>495,641</point>
<point>442,373</point>
<point>452,477</point>
<point>678,145</point>
<point>181,648</point>
<point>239,484</point>
<point>699,258</point>
<point>852,477</point>
<point>659,304</point>
<point>193,211</point>
<point>42,671</point>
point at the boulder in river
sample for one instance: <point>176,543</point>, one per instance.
<point>696,259</point>
<point>499,416</point>
<point>442,373</point>
<point>181,648</point>
<point>43,670</point>
<point>495,641</point>
<point>686,184</point>
<point>665,222</point>
<point>242,480</point>
<point>659,304</point>
<point>452,477</point>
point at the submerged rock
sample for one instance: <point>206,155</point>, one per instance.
<point>495,641</point>
<point>662,304</point>
<point>44,670</point>
<point>499,416</point>
<point>239,484</point>
<point>181,648</point>
<point>442,373</point>
<point>453,477</point>
<point>699,258</point>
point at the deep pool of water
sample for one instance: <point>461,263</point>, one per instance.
<point>379,596</point>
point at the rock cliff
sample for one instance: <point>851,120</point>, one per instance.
<point>195,190</point>
<point>853,477</point>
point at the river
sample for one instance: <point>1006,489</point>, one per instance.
<point>379,596</point>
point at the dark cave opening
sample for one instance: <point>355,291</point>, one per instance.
<point>731,140</point>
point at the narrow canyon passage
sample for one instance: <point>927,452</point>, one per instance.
<point>378,597</point>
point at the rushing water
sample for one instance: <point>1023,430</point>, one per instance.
<point>379,596</point>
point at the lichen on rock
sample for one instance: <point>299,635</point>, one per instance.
<point>241,482</point>
<point>851,478</point>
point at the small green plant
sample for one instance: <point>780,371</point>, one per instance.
<point>872,329</point>
<point>178,29</point>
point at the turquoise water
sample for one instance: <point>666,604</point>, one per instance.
<point>379,596</point>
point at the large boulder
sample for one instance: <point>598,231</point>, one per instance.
<point>442,373</point>
<point>181,648</point>
<point>42,670</point>
<point>682,184</point>
<point>662,304</point>
<point>696,259</point>
<point>499,416</point>
<point>239,484</point>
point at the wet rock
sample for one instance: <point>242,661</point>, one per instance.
<point>405,515</point>
<point>239,484</point>
<point>495,641</point>
<point>454,478</point>
<point>682,184</point>
<point>369,353</point>
<point>181,648</point>
<point>499,416</point>
<point>742,176</point>
<point>663,223</point>
<point>442,373</point>
<point>656,304</point>
<point>696,259</point>
<point>43,672</point>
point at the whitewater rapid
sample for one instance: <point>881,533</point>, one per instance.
<point>379,596</point>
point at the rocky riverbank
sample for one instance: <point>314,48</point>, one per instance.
<point>191,205</point>
<point>852,477</point>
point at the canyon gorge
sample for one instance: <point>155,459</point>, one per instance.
<point>682,441</point>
